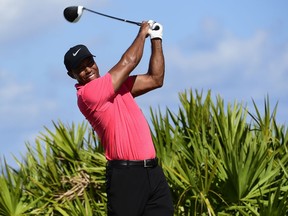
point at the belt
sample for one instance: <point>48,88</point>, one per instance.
<point>140,163</point>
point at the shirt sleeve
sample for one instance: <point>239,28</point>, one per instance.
<point>97,93</point>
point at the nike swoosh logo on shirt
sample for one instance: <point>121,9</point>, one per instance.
<point>74,54</point>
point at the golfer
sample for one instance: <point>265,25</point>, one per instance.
<point>135,184</point>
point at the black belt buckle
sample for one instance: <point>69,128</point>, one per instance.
<point>150,163</point>
<point>146,165</point>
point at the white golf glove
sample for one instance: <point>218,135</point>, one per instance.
<point>151,23</point>
<point>156,31</point>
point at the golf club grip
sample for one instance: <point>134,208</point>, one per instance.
<point>112,17</point>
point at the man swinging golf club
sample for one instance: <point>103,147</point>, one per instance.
<point>135,184</point>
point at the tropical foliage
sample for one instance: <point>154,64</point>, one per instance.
<point>219,160</point>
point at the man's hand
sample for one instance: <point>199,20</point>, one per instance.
<point>156,30</point>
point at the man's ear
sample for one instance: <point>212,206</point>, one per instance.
<point>71,74</point>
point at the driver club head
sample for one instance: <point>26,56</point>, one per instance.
<point>73,13</point>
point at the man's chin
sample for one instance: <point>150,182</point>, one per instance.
<point>91,77</point>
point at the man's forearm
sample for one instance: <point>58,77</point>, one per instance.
<point>157,61</point>
<point>134,53</point>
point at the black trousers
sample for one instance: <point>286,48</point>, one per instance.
<point>137,191</point>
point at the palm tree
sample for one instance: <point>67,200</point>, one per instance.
<point>218,163</point>
<point>63,174</point>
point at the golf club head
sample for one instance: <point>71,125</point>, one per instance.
<point>73,13</point>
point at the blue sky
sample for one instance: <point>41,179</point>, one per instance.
<point>238,49</point>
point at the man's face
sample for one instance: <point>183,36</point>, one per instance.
<point>86,71</point>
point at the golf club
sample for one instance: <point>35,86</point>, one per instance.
<point>73,14</point>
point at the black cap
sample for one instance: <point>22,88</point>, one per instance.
<point>75,55</point>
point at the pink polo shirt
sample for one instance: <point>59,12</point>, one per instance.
<point>116,118</point>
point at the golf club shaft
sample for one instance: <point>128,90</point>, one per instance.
<point>112,17</point>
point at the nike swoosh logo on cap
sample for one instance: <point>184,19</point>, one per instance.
<point>74,54</point>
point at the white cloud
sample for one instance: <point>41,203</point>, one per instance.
<point>278,67</point>
<point>229,52</point>
<point>236,68</point>
<point>20,103</point>
<point>232,59</point>
<point>14,90</point>
<point>19,18</point>
<point>9,11</point>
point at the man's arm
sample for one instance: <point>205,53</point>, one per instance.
<point>154,78</point>
<point>130,59</point>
